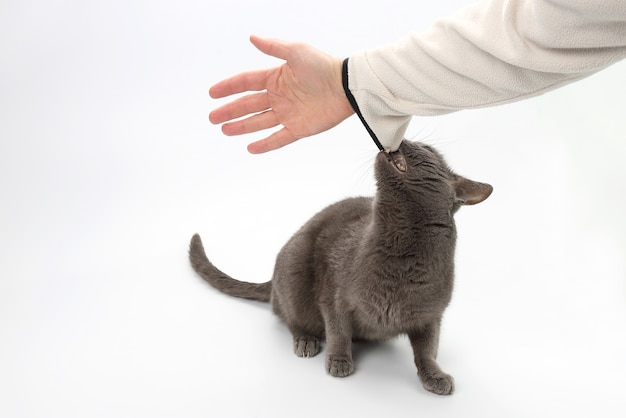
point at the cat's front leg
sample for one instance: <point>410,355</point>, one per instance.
<point>425,342</point>
<point>339,344</point>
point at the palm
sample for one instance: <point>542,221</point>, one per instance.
<point>304,95</point>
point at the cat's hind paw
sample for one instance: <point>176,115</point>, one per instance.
<point>306,346</point>
<point>339,366</point>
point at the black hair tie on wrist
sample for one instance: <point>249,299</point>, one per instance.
<point>355,106</point>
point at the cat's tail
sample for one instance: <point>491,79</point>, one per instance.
<point>220,280</point>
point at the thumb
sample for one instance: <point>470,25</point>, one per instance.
<point>273,47</point>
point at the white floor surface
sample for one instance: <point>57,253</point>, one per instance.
<point>108,165</point>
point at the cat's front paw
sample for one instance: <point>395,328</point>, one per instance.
<point>339,365</point>
<point>306,346</point>
<point>438,383</point>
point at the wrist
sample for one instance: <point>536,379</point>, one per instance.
<point>339,91</point>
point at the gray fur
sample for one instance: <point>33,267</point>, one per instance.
<point>370,268</point>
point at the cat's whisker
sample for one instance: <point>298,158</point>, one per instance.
<point>428,135</point>
<point>365,168</point>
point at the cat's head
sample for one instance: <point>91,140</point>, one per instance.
<point>417,172</point>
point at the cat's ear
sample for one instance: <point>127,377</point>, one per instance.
<point>470,192</point>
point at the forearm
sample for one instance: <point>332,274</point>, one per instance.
<point>491,53</point>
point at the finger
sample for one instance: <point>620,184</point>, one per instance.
<point>248,81</point>
<point>276,140</point>
<point>243,106</point>
<point>273,47</point>
<point>254,123</point>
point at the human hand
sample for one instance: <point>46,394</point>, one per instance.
<point>305,95</point>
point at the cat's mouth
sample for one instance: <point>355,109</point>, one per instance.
<point>397,160</point>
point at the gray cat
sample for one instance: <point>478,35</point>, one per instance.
<point>369,268</point>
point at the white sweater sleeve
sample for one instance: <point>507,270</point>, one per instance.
<point>493,52</point>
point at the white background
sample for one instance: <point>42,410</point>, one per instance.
<point>108,165</point>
